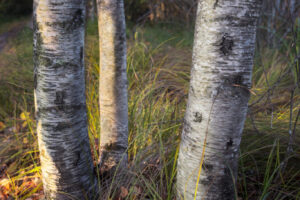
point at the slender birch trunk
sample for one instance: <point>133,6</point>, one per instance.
<point>66,162</point>
<point>292,6</point>
<point>113,85</point>
<point>91,9</point>
<point>217,104</point>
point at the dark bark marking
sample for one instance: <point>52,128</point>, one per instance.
<point>186,128</point>
<point>35,80</point>
<point>234,80</point>
<point>238,80</point>
<point>226,44</point>
<point>192,90</point>
<point>234,21</point>
<point>78,158</point>
<point>70,24</point>
<point>113,147</point>
<point>77,21</point>
<point>81,54</point>
<point>71,110</point>
<point>208,167</point>
<point>45,61</point>
<point>208,180</point>
<point>59,101</point>
<point>61,126</point>
<point>198,117</point>
<point>38,42</point>
<point>229,143</point>
<point>226,185</point>
<point>216,4</point>
<point>56,3</point>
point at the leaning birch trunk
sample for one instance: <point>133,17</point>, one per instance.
<point>113,85</point>
<point>217,104</point>
<point>66,162</point>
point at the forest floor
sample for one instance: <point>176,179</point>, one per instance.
<point>4,37</point>
<point>9,29</point>
<point>159,60</point>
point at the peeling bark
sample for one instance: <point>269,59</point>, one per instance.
<point>217,104</point>
<point>113,98</point>
<point>66,161</point>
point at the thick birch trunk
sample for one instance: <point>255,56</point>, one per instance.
<point>218,97</point>
<point>113,85</point>
<point>66,161</point>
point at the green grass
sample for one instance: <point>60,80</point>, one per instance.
<point>159,59</point>
<point>175,33</point>
<point>7,22</point>
<point>16,69</point>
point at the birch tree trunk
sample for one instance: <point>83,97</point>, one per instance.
<point>91,9</point>
<point>113,85</point>
<point>217,104</point>
<point>294,6</point>
<point>66,162</point>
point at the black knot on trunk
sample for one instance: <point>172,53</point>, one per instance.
<point>238,80</point>
<point>226,44</point>
<point>76,21</point>
<point>198,117</point>
<point>59,99</point>
<point>234,80</point>
<point>229,143</point>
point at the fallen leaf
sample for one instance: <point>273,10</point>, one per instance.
<point>24,115</point>
<point>124,192</point>
<point>5,184</point>
<point>2,126</point>
<point>25,140</point>
<point>2,196</point>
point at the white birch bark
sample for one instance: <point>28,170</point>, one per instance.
<point>66,162</point>
<point>217,104</point>
<point>113,85</point>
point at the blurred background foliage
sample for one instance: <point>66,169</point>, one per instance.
<point>15,7</point>
<point>141,10</point>
<point>136,10</point>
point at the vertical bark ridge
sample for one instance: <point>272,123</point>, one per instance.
<point>219,92</point>
<point>113,98</point>
<point>66,162</point>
